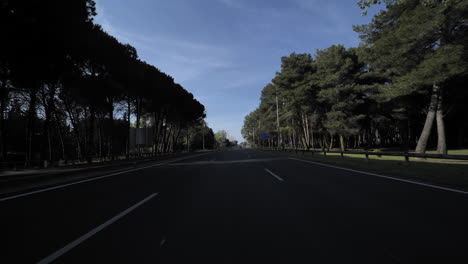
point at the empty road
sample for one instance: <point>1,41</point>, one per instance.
<point>236,206</point>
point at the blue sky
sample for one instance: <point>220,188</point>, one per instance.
<point>226,51</point>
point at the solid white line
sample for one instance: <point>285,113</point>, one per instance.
<point>386,177</point>
<point>96,178</point>
<point>274,175</point>
<point>84,237</point>
<point>69,184</point>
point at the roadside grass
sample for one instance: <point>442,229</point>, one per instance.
<point>401,158</point>
<point>362,156</point>
<point>442,174</point>
<point>452,152</point>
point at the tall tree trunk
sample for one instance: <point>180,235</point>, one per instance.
<point>312,143</point>
<point>177,136</point>
<point>305,127</point>
<point>369,137</point>
<point>86,132</point>
<point>31,123</point>
<point>3,148</point>
<point>92,117</point>
<point>48,100</point>
<point>253,137</point>
<point>293,139</point>
<point>342,143</point>
<point>100,137</point>
<point>127,151</point>
<point>3,102</point>
<point>138,117</point>
<point>62,144</point>
<point>426,132</point>
<point>188,141</point>
<point>162,134</point>
<point>324,142</point>
<point>76,132</point>
<point>441,140</point>
<point>163,138</point>
<point>138,112</point>
<point>111,125</point>
<point>156,132</point>
<point>409,135</point>
<point>168,141</point>
<point>167,137</point>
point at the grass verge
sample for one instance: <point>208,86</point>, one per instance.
<point>442,174</point>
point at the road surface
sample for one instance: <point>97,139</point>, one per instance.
<point>236,206</point>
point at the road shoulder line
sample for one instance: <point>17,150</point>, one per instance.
<point>96,178</point>
<point>383,176</point>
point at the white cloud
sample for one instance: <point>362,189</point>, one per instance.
<point>182,59</point>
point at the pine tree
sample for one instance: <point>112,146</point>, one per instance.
<point>416,44</point>
<point>337,75</point>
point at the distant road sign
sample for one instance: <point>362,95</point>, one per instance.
<point>264,135</point>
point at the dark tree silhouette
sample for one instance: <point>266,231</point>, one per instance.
<point>78,91</point>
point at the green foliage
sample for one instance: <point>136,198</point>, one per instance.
<point>294,84</point>
<point>81,87</point>
<point>420,48</point>
<point>221,138</point>
<point>337,76</point>
<point>322,95</point>
<point>202,137</point>
<point>376,94</point>
<point>417,44</point>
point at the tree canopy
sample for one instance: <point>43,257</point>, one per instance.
<point>64,79</point>
<point>406,73</point>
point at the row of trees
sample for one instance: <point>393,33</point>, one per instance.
<point>222,140</point>
<point>69,90</point>
<point>408,72</point>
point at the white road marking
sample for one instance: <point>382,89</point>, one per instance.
<point>96,178</point>
<point>274,175</point>
<point>386,177</point>
<point>163,241</point>
<point>84,237</point>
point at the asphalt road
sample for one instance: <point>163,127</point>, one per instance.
<point>236,206</point>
